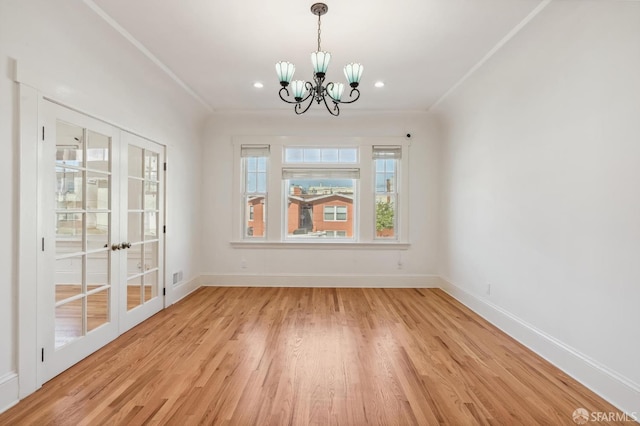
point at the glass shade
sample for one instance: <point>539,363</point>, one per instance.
<point>320,61</point>
<point>285,71</point>
<point>335,91</point>
<point>298,89</point>
<point>353,72</point>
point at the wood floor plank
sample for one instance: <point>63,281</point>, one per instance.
<point>303,356</point>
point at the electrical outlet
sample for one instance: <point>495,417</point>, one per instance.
<point>488,290</point>
<point>400,264</point>
<point>243,264</point>
<point>177,277</point>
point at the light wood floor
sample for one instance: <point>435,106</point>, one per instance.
<point>298,356</point>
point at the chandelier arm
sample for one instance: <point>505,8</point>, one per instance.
<point>298,108</point>
<point>310,89</point>
<point>335,107</point>
<point>287,92</point>
<point>350,95</point>
<point>309,94</point>
<point>328,92</point>
<point>291,102</point>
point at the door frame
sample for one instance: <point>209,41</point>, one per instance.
<point>30,124</point>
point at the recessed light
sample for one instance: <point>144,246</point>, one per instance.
<point>379,84</point>
<point>258,85</point>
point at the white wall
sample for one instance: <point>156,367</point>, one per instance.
<point>222,263</point>
<point>73,56</point>
<point>540,199</point>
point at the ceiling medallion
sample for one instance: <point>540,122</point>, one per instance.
<point>305,92</point>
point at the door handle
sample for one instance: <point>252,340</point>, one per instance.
<point>120,246</point>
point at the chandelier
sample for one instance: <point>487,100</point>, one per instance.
<point>305,92</point>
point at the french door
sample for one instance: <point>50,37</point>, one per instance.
<point>100,208</point>
<point>141,263</point>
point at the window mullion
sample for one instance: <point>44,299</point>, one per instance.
<point>275,209</point>
<point>366,215</point>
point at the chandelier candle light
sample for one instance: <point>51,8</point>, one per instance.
<point>304,91</point>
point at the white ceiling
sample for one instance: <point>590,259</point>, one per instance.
<point>418,48</point>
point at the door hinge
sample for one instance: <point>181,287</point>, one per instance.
<point>164,291</point>
<point>42,354</point>
<point>164,229</point>
<point>42,132</point>
<point>42,243</point>
<point>165,166</point>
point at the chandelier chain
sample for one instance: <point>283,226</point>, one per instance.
<point>319,32</point>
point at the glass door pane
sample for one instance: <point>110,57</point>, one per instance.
<point>143,214</point>
<point>151,224</point>
<point>82,232</point>
<point>135,213</point>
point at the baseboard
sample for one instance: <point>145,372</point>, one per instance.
<point>343,281</point>
<point>8,391</point>
<point>182,290</point>
<point>618,390</point>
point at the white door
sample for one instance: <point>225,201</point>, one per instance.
<point>77,294</point>
<point>100,268</point>
<point>142,190</point>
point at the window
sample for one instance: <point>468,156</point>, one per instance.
<point>335,234</point>
<point>318,199</point>
<point>335,213</point>
<point>385,160</point>
<point>320,189</point>
<point>255,174</point>
<point>320,155</point>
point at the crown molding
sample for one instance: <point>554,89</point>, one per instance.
<point>141,47</point>
<point>492,52</point>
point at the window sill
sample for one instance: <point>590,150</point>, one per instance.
<point>318,245</point>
